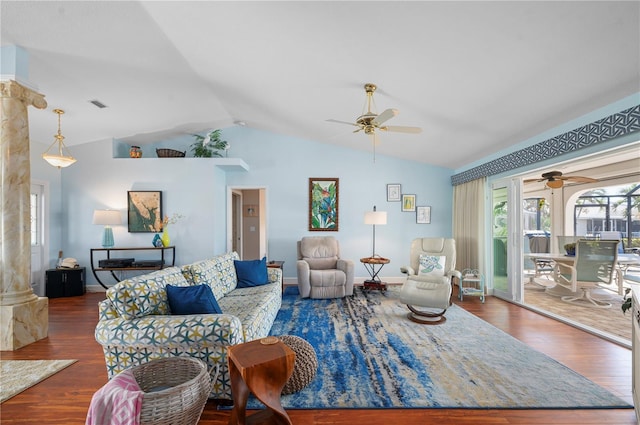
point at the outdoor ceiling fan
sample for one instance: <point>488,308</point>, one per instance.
<point>369,121</point>
<point>555,179</point>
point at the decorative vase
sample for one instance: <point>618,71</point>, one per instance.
<point>165,236</point>
<point>135,152</point>
<point>157,241</point>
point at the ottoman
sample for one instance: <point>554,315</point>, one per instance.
<point>305,365</point>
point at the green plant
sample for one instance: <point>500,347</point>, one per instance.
<point>570,248</point>
<point>209,145</point>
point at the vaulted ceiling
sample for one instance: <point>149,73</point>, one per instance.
<point>476,76</point>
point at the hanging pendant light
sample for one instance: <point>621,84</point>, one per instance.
<point>59,159</point>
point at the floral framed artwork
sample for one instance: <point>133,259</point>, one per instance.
<point>423,215</point>
<point>408,203</point>
<point>144,211</point>
<point>323,204</point>
<point>393,192</point>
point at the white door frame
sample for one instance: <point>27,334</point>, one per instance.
<point>40,252</point>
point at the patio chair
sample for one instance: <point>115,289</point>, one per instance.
<point>595,265</point>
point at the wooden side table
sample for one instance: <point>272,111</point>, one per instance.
<point>373,266</point>
<point>262,369</point>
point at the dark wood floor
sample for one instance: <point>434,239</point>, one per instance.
<point>64,398</point>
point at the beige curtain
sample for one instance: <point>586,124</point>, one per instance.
<point>468,224</point>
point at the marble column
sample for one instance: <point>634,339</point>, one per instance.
<point>24,317</point>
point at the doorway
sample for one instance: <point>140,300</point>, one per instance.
<point>39,240</point>
<point>247,221</point>
<point>506,223</point>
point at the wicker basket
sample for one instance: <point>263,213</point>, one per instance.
<point>170,153</point>
<point>176,390</point>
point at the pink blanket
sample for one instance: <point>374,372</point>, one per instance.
<point>118,402</point>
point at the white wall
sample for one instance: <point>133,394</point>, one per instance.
<point>197,189</point>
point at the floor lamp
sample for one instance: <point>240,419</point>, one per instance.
<point>375,218</point>
<point>107,218</point>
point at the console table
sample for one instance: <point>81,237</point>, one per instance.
<point>95,268</point>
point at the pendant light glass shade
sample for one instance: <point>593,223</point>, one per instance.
<point>58,158</point>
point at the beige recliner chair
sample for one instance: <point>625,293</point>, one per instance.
<point>429,279</point>
<point>321,271</point>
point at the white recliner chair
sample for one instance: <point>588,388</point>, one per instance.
<point>427,290</point>
<point>321,271</point>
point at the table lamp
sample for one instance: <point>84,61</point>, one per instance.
<point>107,218</point>
<point>375,217</point>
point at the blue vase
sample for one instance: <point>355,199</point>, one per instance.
<point>157,242</point>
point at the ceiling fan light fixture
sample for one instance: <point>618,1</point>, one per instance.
<point>555,184</point>
<point>58,159</point>
<point>370,121</point>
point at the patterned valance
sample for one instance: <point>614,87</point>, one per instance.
<point>613,126</point>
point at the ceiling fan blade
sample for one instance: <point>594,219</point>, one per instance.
<point>401,129</point>
<point>579,179</point>
<point>531,180</point>
<point>343,122</point>
<point>387,114</point>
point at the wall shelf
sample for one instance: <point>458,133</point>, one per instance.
<point>226,164</point>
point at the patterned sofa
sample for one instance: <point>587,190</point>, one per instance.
<point>136,325</point>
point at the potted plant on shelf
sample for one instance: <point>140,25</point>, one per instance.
<point>570,249</point>
<point>209,145</point>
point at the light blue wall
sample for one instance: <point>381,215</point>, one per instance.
<point>14,64</point>
<point>281,164</point>
<point>198,190</point>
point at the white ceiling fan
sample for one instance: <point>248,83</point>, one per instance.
<point>370,121</point>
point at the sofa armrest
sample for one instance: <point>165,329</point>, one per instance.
<point>206,330</point>
<point>107,311</point>
<point>408,270</point>
<point>455,273</point>
<point>274,275</point>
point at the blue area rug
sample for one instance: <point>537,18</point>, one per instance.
<point>371,356</point>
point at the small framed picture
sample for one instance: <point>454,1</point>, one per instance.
<point>408,203</point>
<point>423,215</point>
<point>393,192</point>
<point>250,211</point>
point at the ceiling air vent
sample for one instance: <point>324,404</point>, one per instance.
<point>98,103</point>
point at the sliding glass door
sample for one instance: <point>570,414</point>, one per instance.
<point>506,239</point>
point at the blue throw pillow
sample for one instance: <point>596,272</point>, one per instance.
<point>251,273</point>
<point>197,299</point>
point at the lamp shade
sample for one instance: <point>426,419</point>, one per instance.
<point>107,217</point>
<point>375,217</point>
